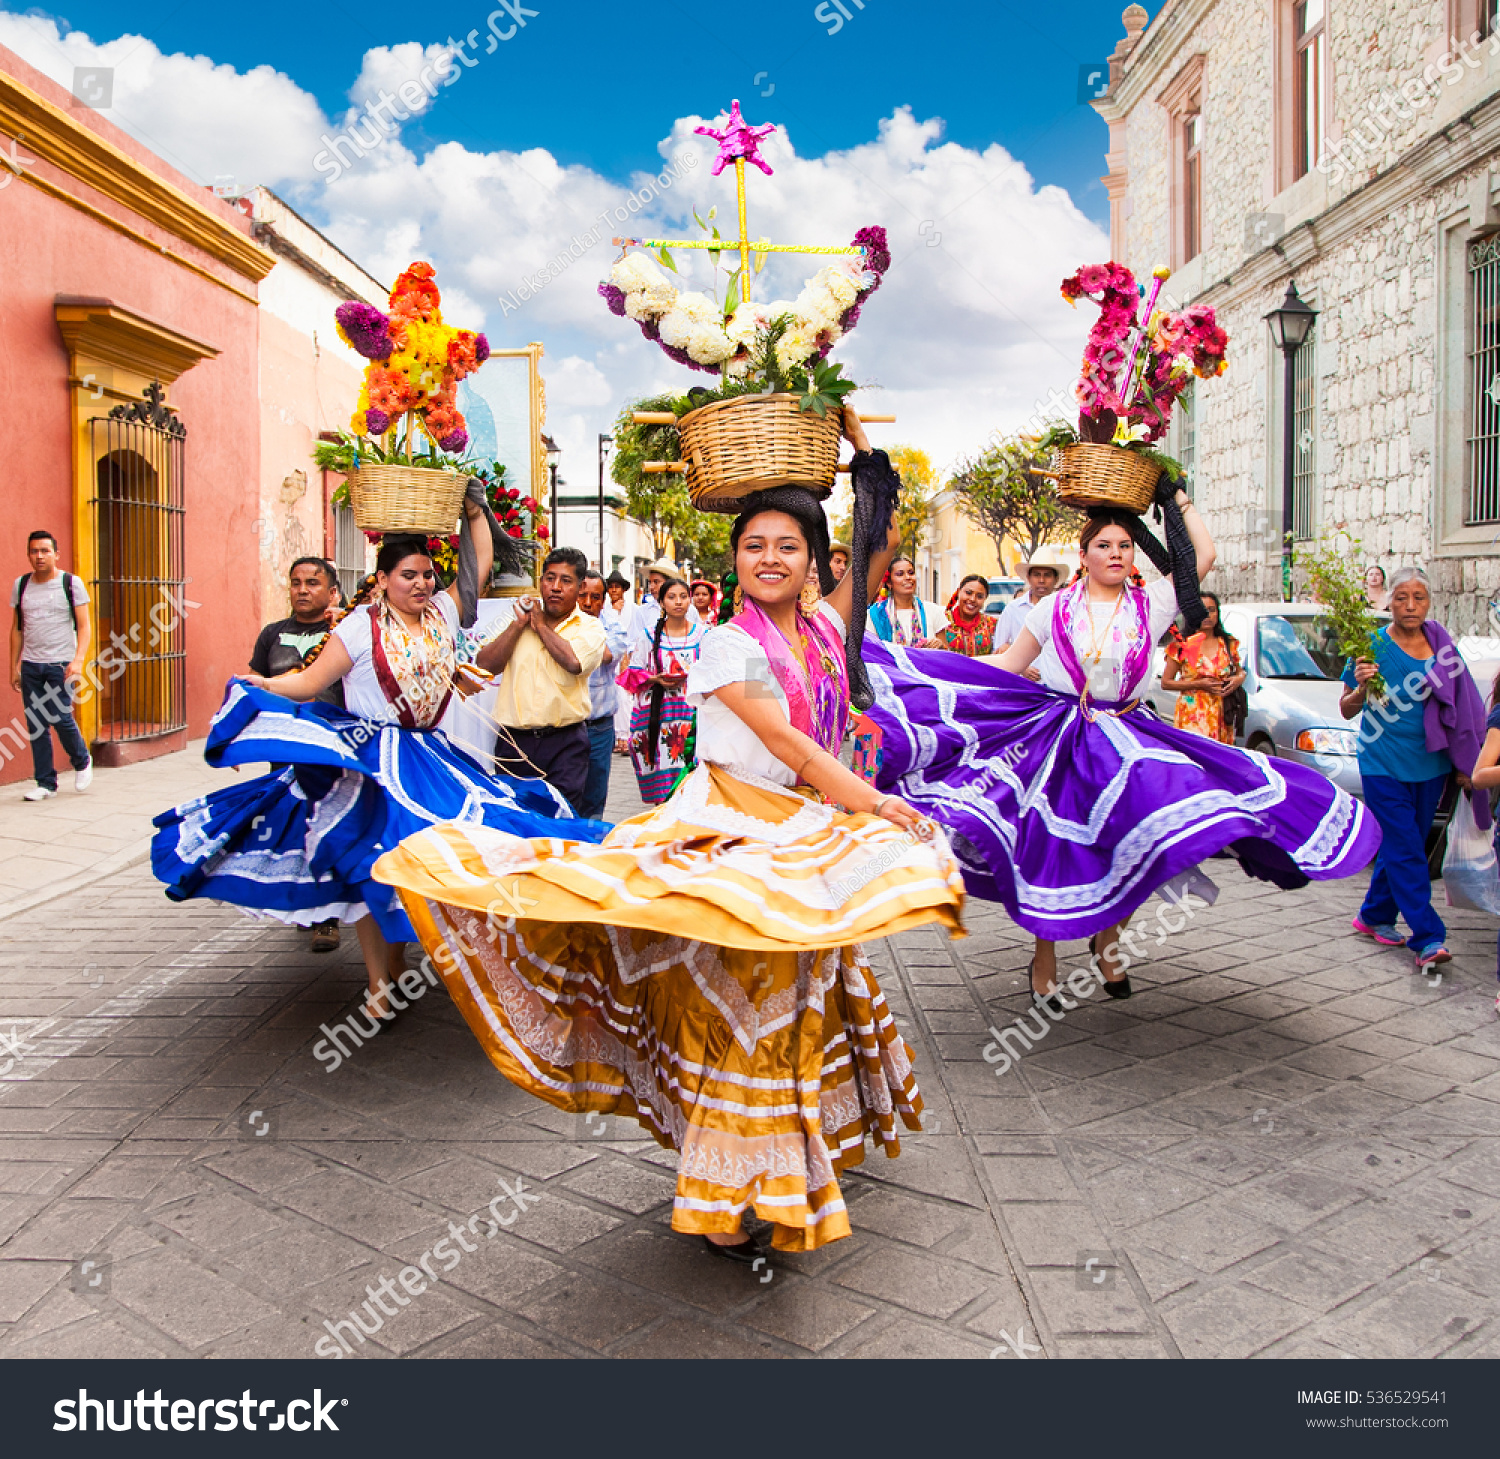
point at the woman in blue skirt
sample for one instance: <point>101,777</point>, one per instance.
<point>298,844</point>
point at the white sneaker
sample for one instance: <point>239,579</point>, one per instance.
<point>39,792</point>
<point>84,778</point>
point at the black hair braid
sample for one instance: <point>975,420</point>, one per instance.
<point>877,490</point>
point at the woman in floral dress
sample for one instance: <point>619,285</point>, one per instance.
<point>1204,669</point>
<point>662,723</point>
<point>970,630</point>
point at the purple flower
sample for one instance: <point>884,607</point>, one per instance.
<point>614,296</point>
<point>454,440</point>
<point>878,258</point>
<point>481,349</point>
<point>377,422</point>
<point>366,328</point>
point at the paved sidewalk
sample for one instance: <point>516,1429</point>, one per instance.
<point>1284,1145</point>
<point>58,845</point>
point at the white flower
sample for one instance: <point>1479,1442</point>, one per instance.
<point>747,321</point>
<point>650,303</point>
<point>738,368</point>
<point>698,307</point>
<point>836,282</point>
<point>708,344</point>
<point>795,346</point>
<point>636,272</point>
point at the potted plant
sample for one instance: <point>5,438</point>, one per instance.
<point>1134,370</point>
<point>402,459</point>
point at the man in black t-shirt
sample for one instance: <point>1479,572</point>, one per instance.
<point>313,586</point>
<point>281,647</point>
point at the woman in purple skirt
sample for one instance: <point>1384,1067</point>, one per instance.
<point>1069,801</point>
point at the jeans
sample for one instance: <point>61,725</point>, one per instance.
<point>1400,883</point>
<point>601,756</point>
<point>48,703</point>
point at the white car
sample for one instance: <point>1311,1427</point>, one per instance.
<point>1293,683</point>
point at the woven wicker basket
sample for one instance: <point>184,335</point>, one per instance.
<point>1104,476</point>
<point>735,447</point>
<point>407,499</point>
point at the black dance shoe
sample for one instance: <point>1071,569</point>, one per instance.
<point>1047,1002</point>
<point>1121,989</point>
<point>745,1252</point>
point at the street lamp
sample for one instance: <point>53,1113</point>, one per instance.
<point>1290,326</point>
<point>553,457</point>
<point>603,442</point>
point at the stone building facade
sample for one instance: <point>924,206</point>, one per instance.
<point>1351,146</point>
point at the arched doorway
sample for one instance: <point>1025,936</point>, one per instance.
<point>138,591</point>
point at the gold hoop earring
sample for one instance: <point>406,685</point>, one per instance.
<point>739,599</point>
<point>810,597</point>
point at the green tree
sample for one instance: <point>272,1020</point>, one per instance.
<point>1003,493</point>
<point>919,484</point>
<point>658,499</point>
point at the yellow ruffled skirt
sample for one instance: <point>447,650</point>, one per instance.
<point>699,970</point>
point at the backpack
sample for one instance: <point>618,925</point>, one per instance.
<point>67,593</point>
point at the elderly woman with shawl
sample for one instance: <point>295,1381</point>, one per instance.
<point>701,969</point>
<point>1428,725</point>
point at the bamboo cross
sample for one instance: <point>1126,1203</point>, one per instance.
<point>738,143</point>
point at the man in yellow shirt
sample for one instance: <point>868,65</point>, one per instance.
<point>545,658</point>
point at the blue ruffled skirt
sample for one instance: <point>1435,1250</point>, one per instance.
<point>1074,822</point>
<point>298,844</point>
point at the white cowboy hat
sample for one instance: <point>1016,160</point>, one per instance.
<point>667,569</point>
<point>1049,557</point>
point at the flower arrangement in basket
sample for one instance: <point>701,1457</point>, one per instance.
<point>409,393</point>
<point>1134,369</point>
<point>776,414</point>
<point>520,517</point>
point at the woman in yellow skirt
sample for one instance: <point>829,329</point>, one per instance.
<point>700,969</point>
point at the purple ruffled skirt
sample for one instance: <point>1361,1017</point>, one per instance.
<point>1073,822</point>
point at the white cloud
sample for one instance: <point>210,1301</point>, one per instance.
<point>967,334</point>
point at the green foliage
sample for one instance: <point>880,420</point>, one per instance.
<point>1003,493</point>
<point>349,453</point>
<point>919,484</point>
<point>659,500</point>
<point>1336,584</point>
<point>827,387</point>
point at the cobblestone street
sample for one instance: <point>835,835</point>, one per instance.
<point>1284,1145</point>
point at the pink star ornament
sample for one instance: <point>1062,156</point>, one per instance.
<point>738,141</point>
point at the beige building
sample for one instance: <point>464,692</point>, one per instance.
<point>1349,146</point>
<point>951,548</point>
<point>309,383</point>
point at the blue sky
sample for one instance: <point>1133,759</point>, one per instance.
<point>957,126</point>
<point>598,83</point>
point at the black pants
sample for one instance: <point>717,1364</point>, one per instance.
<point>562,755</point>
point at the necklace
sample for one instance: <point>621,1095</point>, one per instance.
<point>1095,652</point>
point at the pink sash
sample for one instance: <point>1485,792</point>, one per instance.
<point>817,701</point>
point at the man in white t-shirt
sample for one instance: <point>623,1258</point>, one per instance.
<point>49,641</point>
